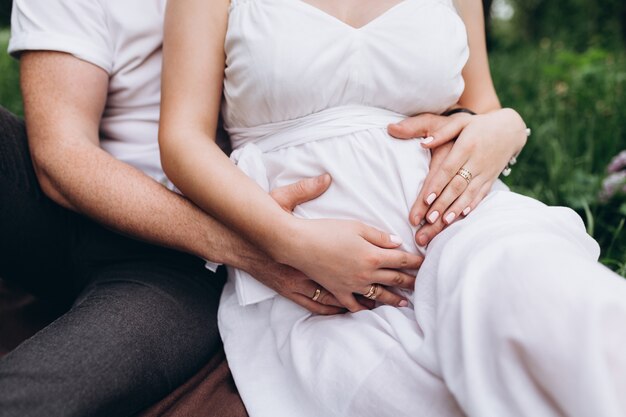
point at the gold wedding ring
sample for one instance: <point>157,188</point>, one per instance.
<point>465,174</point>
<point>372,293</point>
<point>317,294</point>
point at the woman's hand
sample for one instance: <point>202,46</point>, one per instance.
<point>484,144</point>
<point>347,258</point>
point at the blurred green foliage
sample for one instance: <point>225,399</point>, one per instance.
<point>577,23</point>
<point>575,104</point>
<point>10,96</point>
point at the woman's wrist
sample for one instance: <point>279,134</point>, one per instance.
<point>521,129</point>
<point>288,237</point>
<point>457,110</point>
<point>518,137</point>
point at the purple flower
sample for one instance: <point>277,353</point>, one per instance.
<point>617,163</point>
<point>614,183</point>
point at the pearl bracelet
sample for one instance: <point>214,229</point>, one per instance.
<point>508,168</point>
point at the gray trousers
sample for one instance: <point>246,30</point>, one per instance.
<point>136,320</point>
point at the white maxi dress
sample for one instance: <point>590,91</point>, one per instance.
<point>511,314</point>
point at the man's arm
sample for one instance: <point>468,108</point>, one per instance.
<point>64,98</point>
<point>63,101</point>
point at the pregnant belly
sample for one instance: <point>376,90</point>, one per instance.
<point>376,178</point>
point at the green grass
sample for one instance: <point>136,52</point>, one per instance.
<point>575,104</point>
<point>10,96</point>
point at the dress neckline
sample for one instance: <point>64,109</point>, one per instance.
<point>339,21</point>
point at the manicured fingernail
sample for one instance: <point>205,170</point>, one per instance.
<point>427,140</point>
<point>422,240</point>
<point>395,239</point>
<point>432,217</point>
<point>431,197</point>
<point>403,303</point>
<point>450,217</point>
<point>466,211</point>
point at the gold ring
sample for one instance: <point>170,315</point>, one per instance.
<point>372,293</point>
<point>465,174</point>
<point>317,294</point>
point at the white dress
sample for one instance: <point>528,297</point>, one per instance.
<point>511,315</point>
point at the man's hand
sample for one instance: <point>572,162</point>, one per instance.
<point>290,282</point>
<point>294,285</point>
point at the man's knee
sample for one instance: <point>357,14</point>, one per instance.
<point>124,344</point>
<point>165,314</point>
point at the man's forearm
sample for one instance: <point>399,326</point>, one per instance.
<point>84,178</point>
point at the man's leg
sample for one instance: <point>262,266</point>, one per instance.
<point>145,320</point>
<point>140,329</point>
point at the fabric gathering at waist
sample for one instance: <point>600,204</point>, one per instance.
<point>250,143</point>
<point>331,122</point>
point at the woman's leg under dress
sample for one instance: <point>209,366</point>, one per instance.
<point>143,318</point>
<point>512,316</point>
<point>528,323</point>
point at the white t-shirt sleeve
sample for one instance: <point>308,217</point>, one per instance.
<point>77,27</point>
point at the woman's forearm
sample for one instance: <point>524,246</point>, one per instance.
<point>192,77</point>
<point>205,175</point>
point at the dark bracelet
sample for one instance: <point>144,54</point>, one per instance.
<point>458,110</point>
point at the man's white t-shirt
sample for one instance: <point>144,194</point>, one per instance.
<point>124,38</point>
